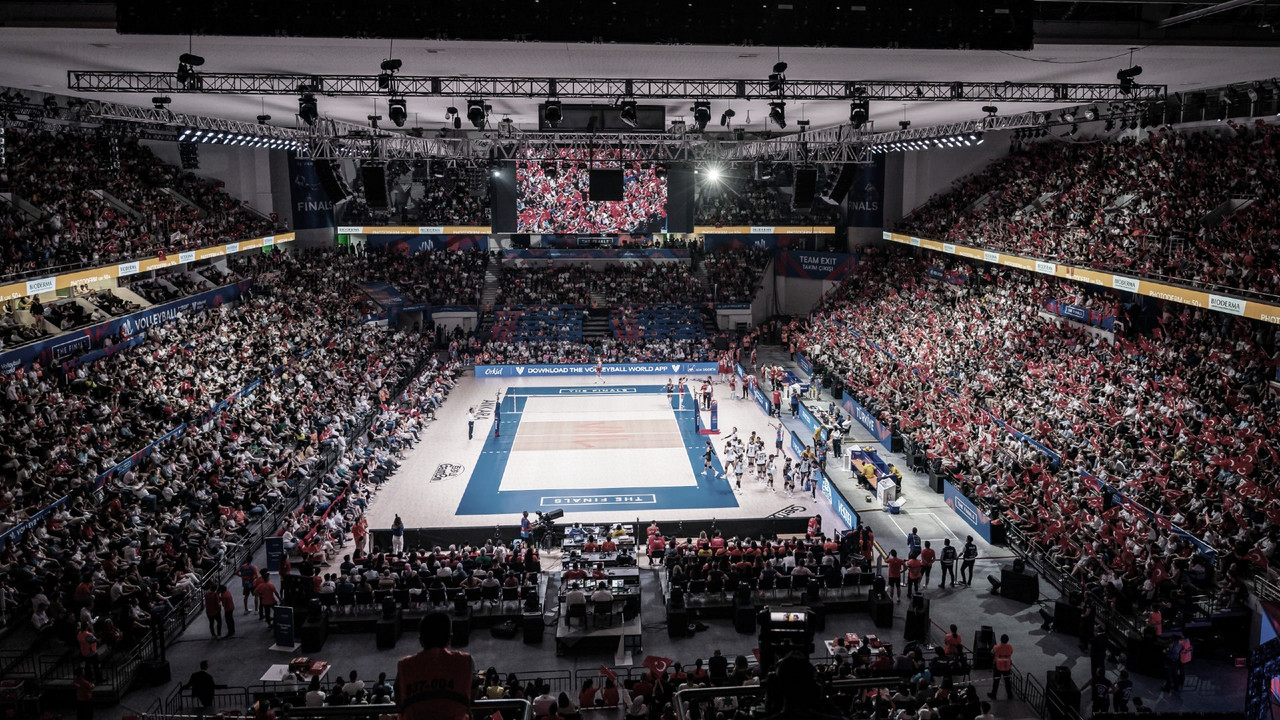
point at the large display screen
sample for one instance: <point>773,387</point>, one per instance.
<point>553,196</point>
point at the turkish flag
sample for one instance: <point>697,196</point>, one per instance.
<point>606,672</point>
<point>657,663</point>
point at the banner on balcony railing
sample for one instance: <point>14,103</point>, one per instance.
<point>966,509</point>
<point>17,532</point>
<point>674,369</point>
<point>716,242</point>
<point>1117,498</point>
<point>85,339</point>
<point>811,265</point>
<point>410,244</point>
<point>804,364</point>
<point>1080,314</point>
<point>311,205</point>
<point>882,433</point>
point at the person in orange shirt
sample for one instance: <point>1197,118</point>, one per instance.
<point>267,595</point>
<point>228,610</point>
<point>358,532</point>
<point>1003,653</point>
<point>895,564</point>
<point>953,645</point>
<point>435,684</point>
<point>915,570</point>
<point>84,696</point>
<point>927,556</point>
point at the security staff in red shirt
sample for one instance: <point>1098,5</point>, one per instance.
<point>1003,653</point>
<point>435,684</point>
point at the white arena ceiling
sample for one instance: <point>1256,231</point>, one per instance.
<point>38,59</point>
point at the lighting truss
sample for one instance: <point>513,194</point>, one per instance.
<point>648,89</point>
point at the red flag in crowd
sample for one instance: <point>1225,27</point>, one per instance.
<point>657,663</point>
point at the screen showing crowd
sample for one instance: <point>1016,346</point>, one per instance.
<point>553,196</point>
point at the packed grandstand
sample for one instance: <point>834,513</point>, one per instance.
<point>1131,448</point>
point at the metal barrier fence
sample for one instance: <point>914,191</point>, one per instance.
<point>480,710</point>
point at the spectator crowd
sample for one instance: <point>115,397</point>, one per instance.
<point>559,200</point>
<point>1155,208</point>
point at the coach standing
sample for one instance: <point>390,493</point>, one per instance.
<point>497,414</point>
<point>471,422</point>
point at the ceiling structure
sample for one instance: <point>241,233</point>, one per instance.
<point>39,58</point>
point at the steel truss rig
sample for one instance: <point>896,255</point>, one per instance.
<point>604,88</point>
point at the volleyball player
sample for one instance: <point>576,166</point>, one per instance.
<point>706,458</point>
<point>600,370</point>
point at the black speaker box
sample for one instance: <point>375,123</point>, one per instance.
<point>817,615</point>
<point>533,628</point>
<point>156,672</point>
<point>843,182</point>
<point>505,630</point>
<point>605,185</point>
<point>1059,687</point>
<point>1020,586</point>
<point>882,613</point>
<point>935,482</point>
<point>678,622</point>
<point>805,185</point>
<point>375,186</point>
<point>388,632</point>
<point>984,640</point>
<point>312,635</point>
<point>461,631</point>
<point>744,619</point>
<point>916,626</point>
<point>1066,618</point>
<point>335,186</point>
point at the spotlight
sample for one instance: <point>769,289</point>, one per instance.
<point>777,79</point>
<point>660,172</point>
<point>550,169</point>
<point>726,116</point>
<point>990,110</point>
<point>1126,77</point>
<point>262,119</point>
<point>1091,113</point>
<point>159,103</point>
<point>701,113</point>
<point>477,113</point>
<point>391,66</point>
<point>859,110</point>
<point>307,108</point>
<point>552,112</point>
<point>187,75</point>
<point>397,110</point>
<point>713,174</point>
<point>1067,116</point>
<point>995,584</point>
<point>627,113</point>
<point>778,113</point>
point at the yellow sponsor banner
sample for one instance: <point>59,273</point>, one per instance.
<point>1164,291</point>
<point>764,230</point>
<point>80,277</point>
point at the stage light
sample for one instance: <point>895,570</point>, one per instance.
<point>187,75</point>
<point>553,112</point>
<point>726,116</point>
<point>1067,116</point>
<point>1091,112</point>
<point>159,103</point>
<point>308,110</point>
<point>990,110</point>
<point>477,113</point>
<point>627,112</point>
<point>1126,77</point>
<point>859,111</point>
<point>660,172</point>
<point>397,110</point>
<point>778,113</point>
<point>262,119</point>
<point>713,174</point>
<point>392,66</point>
<point>701,113</point>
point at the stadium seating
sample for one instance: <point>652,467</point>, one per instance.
<point>1196,207</point>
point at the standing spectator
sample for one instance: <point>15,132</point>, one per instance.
<point>228,610</point>
<point>435,684</point>
<point>1098,650</point>
<point>201,685</point>
<point>915,570</point>
<point>913,541</point>
<point>89,652</point>
<point>397,535</point>
<point>948,563</point>
<point>267,596</point>
<point>1003,654</point>
<point>968,556</point>
<point>1121,693</point>
<point>1100,689</point>
<point>471,423</point>
<point>84,695</point>
<point>213,612</point>
<point>895,564</point>
<point>248,573</point>
<point>927,558</point>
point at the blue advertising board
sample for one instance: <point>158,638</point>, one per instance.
<point>839,504</point>
<point>964,507</point>
<point>804,364</point>
<point>879,430</point>
<point>762,401</point>
<point>311,205</point>
<point>275,552</point>
<point>282,627</point>
<point>674,368</point>
<point>808,419</point>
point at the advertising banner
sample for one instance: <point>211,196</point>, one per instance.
<point>964,507</point>
<point>275,552</point>
<point>675,368</point>
<point>282,627</point>
<point>812,265</point>
<point>810,422</point>
<point>312,207</point>
<point>839,504</point>
<point>804,364</point>
<point>764,230</point>
<point>882,432</point>
<point>595,254</point>
<point>409,245</point>
<point>128,326</point>
<point>714,242</point>
<point>866,195</point>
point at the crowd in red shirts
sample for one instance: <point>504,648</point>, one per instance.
<point>559,201</point>
<point>1155,207</point>
<point>58,173</point>
<point>1178,415</point>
